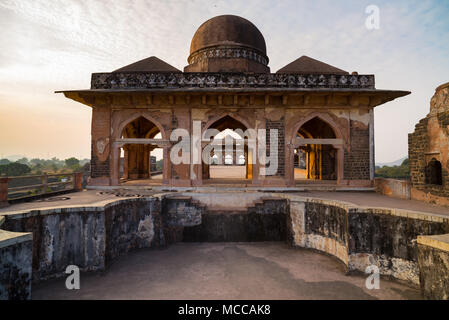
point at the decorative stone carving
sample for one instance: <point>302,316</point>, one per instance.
<point>147,80</point>
<point>227,53</point>
<point>101,145</point>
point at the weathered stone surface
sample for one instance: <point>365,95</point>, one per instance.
<point>433,260</point>
<point>64,238</point>
<point>91,237</point>
<point>132,224</point>
<point>15,270</point>
<point>266,221</point>
<point>430,143</point>
<point>393,187</point>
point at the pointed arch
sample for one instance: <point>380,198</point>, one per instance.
<point>325,117</point>
<point>235,117</point>
<point>324,162</point>
<point>136,116</point>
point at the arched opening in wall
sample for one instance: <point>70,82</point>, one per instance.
<point>433,172</point>
<point>229,153</point>
<point>141,157</point>
<point>316,157</point>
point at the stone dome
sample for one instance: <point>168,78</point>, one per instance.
<point>228,43</point>
<point>228,30</point>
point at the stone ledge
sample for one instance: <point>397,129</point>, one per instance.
<point>440,242</point>
<point>8,238</point>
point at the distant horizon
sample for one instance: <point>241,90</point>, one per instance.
<point>18,157</point>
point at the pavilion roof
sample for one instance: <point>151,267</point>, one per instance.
<point>309,65</point>
<point>150,64</point>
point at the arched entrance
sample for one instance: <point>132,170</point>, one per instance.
<point>316,152</point>
<point>141,158</point>
<point>433,172</point>
<point>227,152</point>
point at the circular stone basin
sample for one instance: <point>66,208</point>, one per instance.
<point>263,270</point>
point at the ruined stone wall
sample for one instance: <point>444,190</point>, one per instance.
<point>429,141</point>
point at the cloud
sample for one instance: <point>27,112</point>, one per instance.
<point>51,45</point>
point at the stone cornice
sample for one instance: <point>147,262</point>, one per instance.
<point>146,80</point>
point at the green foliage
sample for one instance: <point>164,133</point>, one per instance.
<point>23,161</point>
<point>53,165</point>
<point>159,165</point>
<point>396,172</point>
<point>72,162</point>
<point>14,169</point>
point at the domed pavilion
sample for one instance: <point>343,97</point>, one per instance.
<point>320,117</point>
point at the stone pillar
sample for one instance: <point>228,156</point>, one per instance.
<point>125,163</point>
<point>4,192</point>
<point>101,147</point>
<point>115,166</point>
<point>78,181</point>
<point>145,169</point>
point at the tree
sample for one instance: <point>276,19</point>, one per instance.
<point>14,169</point>
<point>23,161</point>
<point>398,172</point>
<point>4,161</point>
<point>72,162</point>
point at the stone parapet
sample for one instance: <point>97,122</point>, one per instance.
<point>15,265</point>
<point>393,187</point>
<point>433,260</point>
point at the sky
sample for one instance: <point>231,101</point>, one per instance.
<point>56,45</point>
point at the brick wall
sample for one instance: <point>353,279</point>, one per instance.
<point>280,126</point>
<point>418,145</point>
<point>357,159</point>
<point>98,168</point>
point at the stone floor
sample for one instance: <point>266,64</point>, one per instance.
<point>365,199</point>
<point>264,270</point>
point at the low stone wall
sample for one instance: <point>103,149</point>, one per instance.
<point>132,224</point>
<point>433,260</point>
<point>387,238</point>
<point>15,264</point>
<point>87,237</point>
<point>319,225</point>
<point>361,237</point>
<point>393,187</point>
